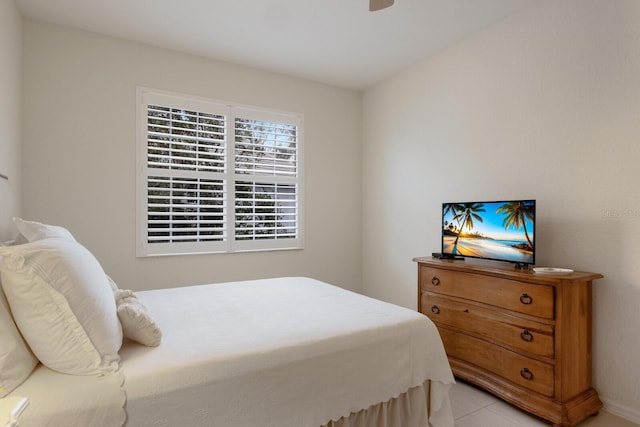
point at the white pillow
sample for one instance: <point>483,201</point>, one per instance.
<point>16,360</point>
<point>33,231</point>
<point>113,285</point>
<point>137,323</point>
<point>63,304</point>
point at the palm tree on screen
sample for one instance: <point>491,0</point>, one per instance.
<point>452,208</point>
<point>516,215</point>
<point>465,217</point>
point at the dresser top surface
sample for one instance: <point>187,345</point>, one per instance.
<point>506,270</point>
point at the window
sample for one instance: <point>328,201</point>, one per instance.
<point>216,177</point>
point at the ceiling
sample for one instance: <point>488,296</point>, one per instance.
<point>338,42</point>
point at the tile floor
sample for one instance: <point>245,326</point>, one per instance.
<point>473,407</point>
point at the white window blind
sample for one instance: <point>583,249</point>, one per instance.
<point>198,192</point>
<point>265,148</point>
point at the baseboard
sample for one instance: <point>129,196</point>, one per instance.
<point>621,411</point>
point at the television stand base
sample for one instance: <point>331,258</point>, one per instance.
<point>440,255</point>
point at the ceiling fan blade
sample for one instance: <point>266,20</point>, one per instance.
<point>379,4</point>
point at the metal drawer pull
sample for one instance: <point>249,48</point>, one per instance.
<point>526,335</point>
<point>435,309</point>
<point>526,374</point>
<point>526,299</point>
<point>435,281</point>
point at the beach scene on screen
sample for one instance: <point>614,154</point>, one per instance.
<point>494,230</point>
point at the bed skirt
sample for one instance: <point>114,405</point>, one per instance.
<point>410,409</point>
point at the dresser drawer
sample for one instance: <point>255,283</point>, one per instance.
<point>492,325</point>
<point>528,298</point>
<point>521,370</point>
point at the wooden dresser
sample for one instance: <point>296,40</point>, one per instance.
<point>523,336</point>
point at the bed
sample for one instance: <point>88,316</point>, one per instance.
<point>282,352</point>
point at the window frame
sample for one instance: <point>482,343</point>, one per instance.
<point>230,244</point>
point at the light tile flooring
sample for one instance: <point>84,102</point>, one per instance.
<point>473,407</point>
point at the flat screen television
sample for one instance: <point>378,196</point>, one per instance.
<point>499,231</point>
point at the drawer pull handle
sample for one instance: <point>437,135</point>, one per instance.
<point>526,374</point>
<point>526,335</point>
<point>435,309</point>
<point>435,281</point>
<point>526,299</point>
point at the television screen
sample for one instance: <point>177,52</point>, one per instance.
<point>502,230</point>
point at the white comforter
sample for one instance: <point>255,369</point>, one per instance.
<point>276,353</point>
<point>289,352</point>
<point>60,400</point>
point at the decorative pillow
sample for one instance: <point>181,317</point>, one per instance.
<point>16,360</point>
<point>63,304</point>
<point>32,231</point>
<point>137,323</point>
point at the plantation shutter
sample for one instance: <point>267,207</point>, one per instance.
<point>266,177</point>
<point>192,174</point>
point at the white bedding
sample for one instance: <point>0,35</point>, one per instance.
<point>277,353</point>
<point>60,400</point>
<point>271,353</point>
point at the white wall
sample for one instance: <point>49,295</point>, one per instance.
<point>545,105</point>
<point>10,114</point>
<point>79,150</point>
